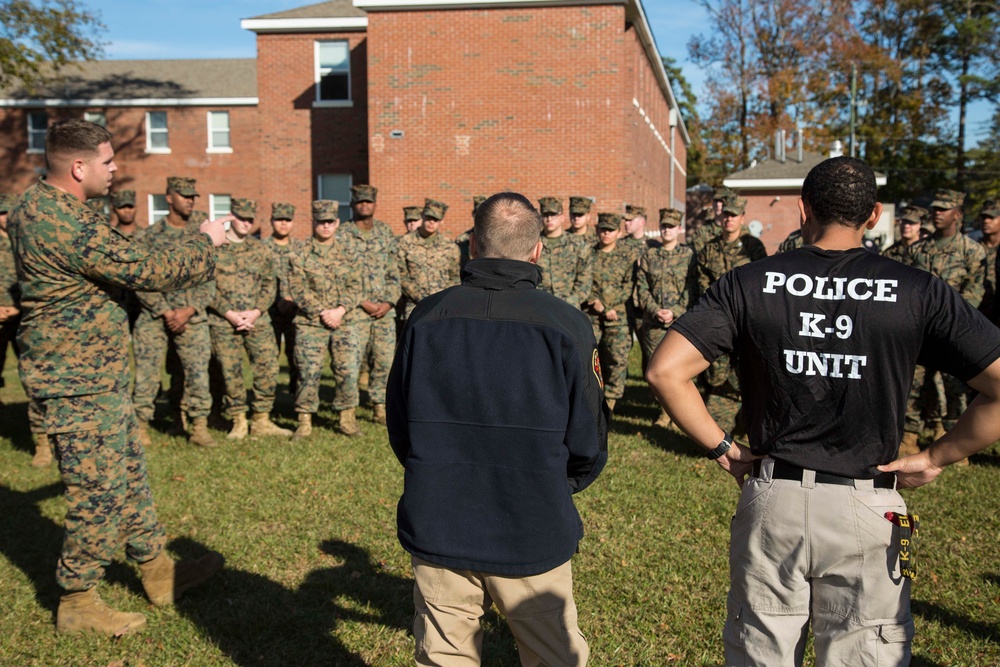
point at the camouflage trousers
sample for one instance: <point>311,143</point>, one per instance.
<point>613,345</point>
<point>284,330</point>
<point>150,340</point>
<point>722,396</point>
<point>108,500</point>
<point>228,347</point>
<point>379,345</point>
<point>649,338</point>
<point>926,401</point>
<point>8,336</point>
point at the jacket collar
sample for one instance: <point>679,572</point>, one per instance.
<point>501,274</point>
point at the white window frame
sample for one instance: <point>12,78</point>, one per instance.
<point>154,212</point>
<point>215,202</point>
<point>317,100</point>
<point>150,131</point>
<point>36,137</point>
<point>96,117</point>
<point>212,148</point>
<point>343,197</point>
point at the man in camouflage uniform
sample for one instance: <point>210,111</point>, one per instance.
<point>411,219</point>
<point>428,260</point>
<point>792,241</point>
<point>123,206</point>
<point>567,260</point>
<point>326,286</point>
<point>176,317</point>
<point>245,285</point>
<point>732,247</point>
<point>75,363</point>
<point>961,262</point>
<point>579,220</point>
<point>633,238</point>
<point>710,229</point>
<point>909,236</point>
<point>666,284</point>
<point>462,240</point>
<point>282,311</point>
<point>989,220</point>
<point>368,333</point>
<point>614,280</point>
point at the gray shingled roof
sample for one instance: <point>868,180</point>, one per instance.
<point>321,10</point>
<point>140,79</point>
<point>790,168</point>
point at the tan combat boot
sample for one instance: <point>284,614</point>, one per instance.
<point>909,445</point>
<point>305,428</point>
<point>166,580</point>
<point>144,438</point>
<point>664,420</point>
<point>85,611</point>
<point>239,429</point>
<point>43,451</point>
<point>378,413</point>
<point>611,403</point>
<point>200,435</point>
<point>261,424</point>
<point>348,423</point>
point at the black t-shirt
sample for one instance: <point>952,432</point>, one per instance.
<point>825,343</point>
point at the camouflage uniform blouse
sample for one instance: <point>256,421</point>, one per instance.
<point>990,283</point>
<point>718,257</point>
<point>244,280</point>
<point>426,266</point>
<point>567,270</point>
<point>667,279</point>
<point>282,256</point>
<point>900,252</point>
<point>376,266</point>
<point>323,277</point>
<point>158,238</point>
<point>10,294</point>
<point>958,260</point>
<point>614,279</point>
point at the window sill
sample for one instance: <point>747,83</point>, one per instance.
<point>35,151</point>
<point>158,151</point>
<point>332,104</point>
<point>219,150</point>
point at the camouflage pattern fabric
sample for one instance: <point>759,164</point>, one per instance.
<point>75,363</point>
<point>567,268</point>
<point>792,241</point>
<point>989,282</point>
<point>321,277</point>
<point>426,266</point>
<point>462,241</point>
<point>700,237</point>
<point>613,282</point>
<point>245,280</point>
<point>10,296</point>
<point>282,311</point>
<point>666,279</point>
<point>900,252</point>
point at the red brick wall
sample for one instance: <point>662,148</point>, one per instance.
<point>297,141</point>
<point>533,100</point>
<point>779,217</point>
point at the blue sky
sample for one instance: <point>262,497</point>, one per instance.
<point>211,29</point>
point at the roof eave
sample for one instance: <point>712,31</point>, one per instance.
<point>778,183</point>
<point>133,102</point>
<point>331,24</point>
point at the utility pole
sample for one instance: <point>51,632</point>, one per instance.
<point>854,108</point>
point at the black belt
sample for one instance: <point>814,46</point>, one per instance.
<point>784,470</point>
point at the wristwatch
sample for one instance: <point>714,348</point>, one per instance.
<point>718,452</point>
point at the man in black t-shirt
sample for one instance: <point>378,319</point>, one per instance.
<point>822,333</point>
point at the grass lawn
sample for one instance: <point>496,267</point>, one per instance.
<point>314,574</point>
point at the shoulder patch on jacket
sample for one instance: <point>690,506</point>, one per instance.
<point>597,369</point>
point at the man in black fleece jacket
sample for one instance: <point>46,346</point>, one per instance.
<point>496,410</point>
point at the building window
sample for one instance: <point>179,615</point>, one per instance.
<point>337,187</point>
<point>157,136</point>
<point>96,117</point>
<point>158,208</point>
<point>219,205</point>
<point>218,132</point>
<point>333,71</point>
<point>38,125</point>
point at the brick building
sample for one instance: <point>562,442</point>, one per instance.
<point>432,98</point>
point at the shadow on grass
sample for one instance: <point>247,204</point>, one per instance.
<point>938,614</point>
<point>637,405</point>
<point>31,541</point>
<point>986,458</point>
<point>15,426</point>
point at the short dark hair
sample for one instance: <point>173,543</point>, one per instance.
<point>841,191</point>
<point>74,138</point>
<point>507,226</point>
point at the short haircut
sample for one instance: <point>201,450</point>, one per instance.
<point>74,138</point>
<point>841,191</point>
<point>507,226</point>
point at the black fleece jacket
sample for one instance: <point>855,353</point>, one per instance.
<point>496,410</point>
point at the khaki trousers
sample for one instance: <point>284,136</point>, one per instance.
<point>540,612</point>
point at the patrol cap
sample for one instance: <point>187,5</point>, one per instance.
<point>948,199</point>
<point>610,221</point>
<point>434,209</point>
<point>325,210</point>
<point>182,185</point>
<point>550,206</point>
<point>734,205</point>
<point>991,208</point>
<point>361,193</point>
<point>477,201</point>
<point>245,209</point>
<point>7,202</point>
<point>911,216</point>
<point>122,198</point>
<point>282,211</point>
<point>411,213</point>
<point>722,193</point>
<point>580,205</point>
<point>670,217</point>
<point>633,212</point>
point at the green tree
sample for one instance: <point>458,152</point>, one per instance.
<point>40,37</point>
<point>984,169</point>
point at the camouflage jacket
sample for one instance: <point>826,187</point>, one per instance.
<point>667,279</point>
<point>426,266</point>
<point>638,247</point>
<point>158,237</point>
<point>959,261</point>
<point>282,256</point>
<point>990,283</point>
<point>244,280</point>
<point>376,265</point>
<point>462,241</point>
<point>718,258</point>
<point>900,252</point>
<point>10,293</point>
<point>702,235</point>
<point>792,241</point>
<point>567,268</point>
<point>614,280</point>
<point>74,332</point>
<point>323,277</point>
